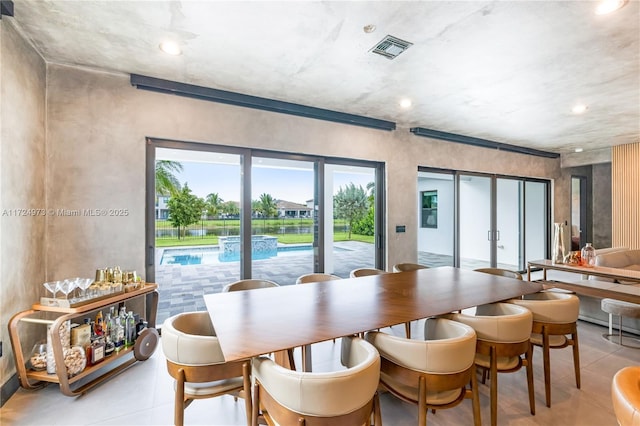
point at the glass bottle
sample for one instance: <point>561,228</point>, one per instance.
<point>99,324</point>
<point>117,334</point>
<point>588,255</point>
<point>109,347</point>
<point>130,329</point>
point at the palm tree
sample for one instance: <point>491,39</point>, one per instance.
<point>166,181</point>
<point>268,205</point>
<point>213,204</point>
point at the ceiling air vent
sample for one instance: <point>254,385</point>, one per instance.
<point>390,47</point>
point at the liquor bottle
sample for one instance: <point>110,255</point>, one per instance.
<point>98,329</point>
<point>141,326</point>
<point>130,329</point>
<point>117,334</point>
<point>97,351</point>
<point>109,347</point>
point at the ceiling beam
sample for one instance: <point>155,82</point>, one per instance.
<point>238,99</point>
<point>484,143</point>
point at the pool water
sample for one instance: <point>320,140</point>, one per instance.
<point>211,255</point>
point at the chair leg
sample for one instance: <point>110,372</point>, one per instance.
<point>377,417</point>
<point>407,329</point>
<point>576,355</point>
<point>547,366</point>
<point>422,402</point>
<point>255,410</point>
<point>246,387</point>
<point>532,394</point>
<point>178,414</point>
<point>475,399</point>
<point>493,376</point>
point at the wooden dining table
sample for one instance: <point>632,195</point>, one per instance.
<point>256,322</point>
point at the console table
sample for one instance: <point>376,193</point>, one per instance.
<point>593,288</point>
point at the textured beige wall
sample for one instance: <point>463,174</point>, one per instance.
<point>22,167</point>
<point>97,127</point>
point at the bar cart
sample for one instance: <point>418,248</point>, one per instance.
<point>93,375</point>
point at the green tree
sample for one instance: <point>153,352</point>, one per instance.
<point>230,208</point>
<point>350,204</point>
<point>366,224</point>
<point>185,209</point>
<point>166,181</point>
<point>213,204</point>
<point>266,206</point>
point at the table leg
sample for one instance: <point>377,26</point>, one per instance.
<point>306,358</point>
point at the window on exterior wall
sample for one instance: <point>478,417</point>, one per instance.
<point>429,209</point>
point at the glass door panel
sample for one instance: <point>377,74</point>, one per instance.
<point>474,213</point>
<point>508,234</point>
<point>350,224</point>
<point>535,221</point>
<point>282,219</point>
<point>188,258</point>
<point>435,212</point>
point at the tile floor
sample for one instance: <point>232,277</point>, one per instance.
<point>143,394</point>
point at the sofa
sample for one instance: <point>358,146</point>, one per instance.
<point>623,259</point>
<point>614,257</point>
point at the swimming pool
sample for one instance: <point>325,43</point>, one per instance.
<point>210,255</point>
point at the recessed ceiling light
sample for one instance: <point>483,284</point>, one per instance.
<point>170,48</point>
<point>579,109</point>
<point>578,150</point>
<point>405,103</point>
<point>369,28</point>
<point>608,6</point>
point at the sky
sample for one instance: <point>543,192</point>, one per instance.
<point>283,184</point>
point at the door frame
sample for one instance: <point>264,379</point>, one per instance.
<point>246,156</point>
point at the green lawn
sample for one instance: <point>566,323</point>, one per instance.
<point>230,224</point>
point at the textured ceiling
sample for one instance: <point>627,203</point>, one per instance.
<point>507,71</point>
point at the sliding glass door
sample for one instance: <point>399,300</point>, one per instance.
<point>476,235</point>
<point>282,221</point>
<point>509,235</point>
<point>436,218</point>
<point>476,220</point>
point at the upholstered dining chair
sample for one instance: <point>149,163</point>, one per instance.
<point>195,361</point>
<point>404,267</point>
<point>364,272</point>
<point>341,398</point>
<point>555,317</point>
<point>255,284</point>
<point>435,373</point>
<point>249,284</point>
<point>503,346</point>
<point>500,272</point>
<point>625,393</point>
<point>315,278</point>
<point>306,279</point>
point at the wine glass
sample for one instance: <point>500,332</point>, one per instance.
<point>53,287</point>
<point>67,286</point>
<point>83,284</point>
